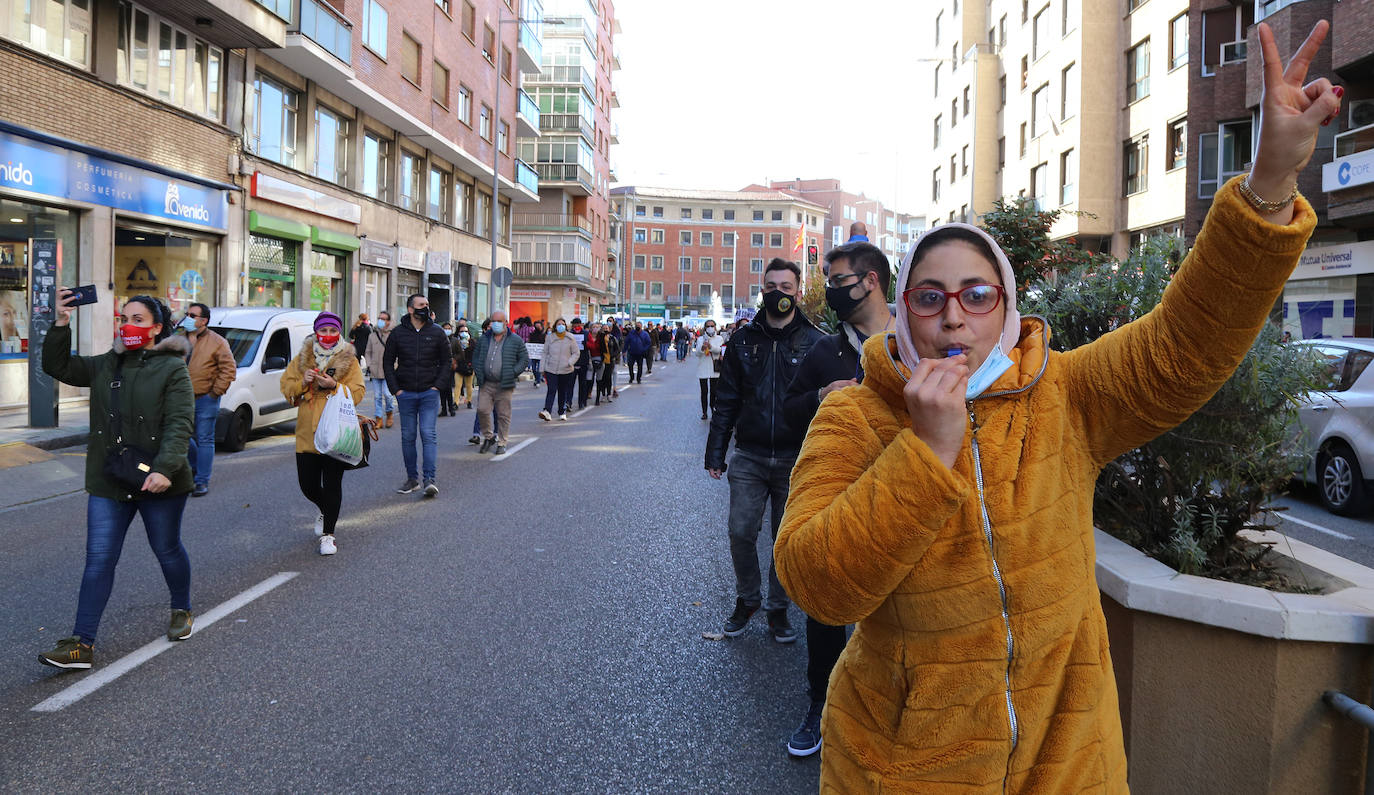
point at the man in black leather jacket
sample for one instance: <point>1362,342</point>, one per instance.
<point>759,364</point>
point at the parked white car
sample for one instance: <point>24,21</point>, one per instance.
<point>1339,426</point>
<point>263,342</point>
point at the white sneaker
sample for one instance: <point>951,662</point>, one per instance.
<point>327,545</point>
<point>544,415</point>
<point>563,417</point>
<point>319,525</point>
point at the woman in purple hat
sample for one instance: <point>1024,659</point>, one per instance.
<point>325,362</point>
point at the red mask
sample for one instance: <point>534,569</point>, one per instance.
<point>327,340</point>
<point>135,337</point>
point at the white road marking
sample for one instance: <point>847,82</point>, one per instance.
<point>1289,517</point>
<point>513,450</point>
<point>579,413</point>
<point>107,674</point>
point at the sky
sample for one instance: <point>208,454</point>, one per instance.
<point>718,94</point>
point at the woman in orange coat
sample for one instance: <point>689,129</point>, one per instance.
<point>945,505</point>
<point>325,363</point>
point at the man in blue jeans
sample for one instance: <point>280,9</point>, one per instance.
<point>212,367</point>
<point>414,359</point>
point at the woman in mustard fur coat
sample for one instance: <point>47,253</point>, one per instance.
<point>945,505</point>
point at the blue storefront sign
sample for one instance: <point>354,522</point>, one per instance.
<point>38,167</point>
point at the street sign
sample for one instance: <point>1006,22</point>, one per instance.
<point>652,309</point>
<point>503,277</point>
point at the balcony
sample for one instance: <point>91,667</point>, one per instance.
<point>322,25</point>
<point>584,26</point>
<point>531,48</point>
<point>553,222</point>
<point>615,59</point>
<point>567,123</point>
<point>526,177</point>
<point>569,176</point>
<point>570,272</point>
<point>233,24</point>
<point>564,75</point>
<point>615,100</point>
<point>526,117</point>
<point>615,132</point>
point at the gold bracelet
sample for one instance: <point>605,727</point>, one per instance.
<point>1261,204</point>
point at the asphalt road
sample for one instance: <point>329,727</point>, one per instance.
<point>537,627</point>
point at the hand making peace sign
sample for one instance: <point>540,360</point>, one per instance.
<point>1291,115</point>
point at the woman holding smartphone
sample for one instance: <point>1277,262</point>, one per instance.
<point>141,400</point>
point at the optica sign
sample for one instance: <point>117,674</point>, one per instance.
<point>37,167</point>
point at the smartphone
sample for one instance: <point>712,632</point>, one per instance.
<point>85,294</point>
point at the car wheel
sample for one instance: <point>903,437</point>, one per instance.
<point>1340,483</point>
<point>236,430</point>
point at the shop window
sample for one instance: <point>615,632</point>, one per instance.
<point>178,268</point>
<point>60,28</point>
<point>20,224</point>
<point>326,280</point>
<point>272,267</point>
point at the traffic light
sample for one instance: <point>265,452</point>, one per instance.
<point>813,255</point>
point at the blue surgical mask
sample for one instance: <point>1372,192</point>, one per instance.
<point>498,328</point>
<point>989,371</point>
<point>187,323</point>
<point>381,324</point>
<point>560,328</point>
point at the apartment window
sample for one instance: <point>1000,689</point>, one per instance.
<point>470,21</point>
<point>641,235</point>
<point>639,289</point>
<point>727,238</point>
<point>727,265</point>
<point>656,289</point>
<point>1040,33</point>
<point>1002,31</point>
<point>1132,5</point>
<point>775,241</point>
<point>640,260</point>
<point>274,121</point>
<point>1178,144</point>
<point>1025,72</point>
<point>489,44</point>
<point>439,83</point>
<point>756,240</point>
<point>331,145</point>
<point>936,90</point>
<point>1133,158</point>
<point>376,167</point>
<point>464,206</point>
<point>186,71</point>
<point>639,211</point>
<point>1068,177</point>
<point>708,214</point>
<point>937,131</point>
<point>60,28</point>
<point>1039,109</point>
<point>687,212</point>
<point>705,263</point>
<point>934,189</point>
<point>1235,148</point>
<point>440,198</point>
<point>758,215</point>
<point>410,181</point>
<point>656,237</point>
<point>1068,91</point>
<point>658,212</point>
<point>756,266</point>
<point>506,64</point>
<point>1002,91</point>
<point>1039,186</point>
<point>656,262</point>
<point>777,215</point>
<point>798,217</point>
<point>708,238</point>
<point>684,292</point>
<point>410,58</point>
<point>954,113</point>
<point>1023,140</point>
<point>963,162</point>
<point>484,123</point>
<point>1001,153</point>
<point>684,263</point>
<point>965,100</point>
<point>443,5</point>
<point>684,238</point>
<point>939,19</point>
<point>464,108</point>
<point>1025,11</point>
<point>502,137</point>
<point>754,289</point>
<point>1138,72</point>
<point>1178,41</point>
<point>703,291</point>
<point>952,172</point>
<point>729,215</point>
<point>374,27</point>
<point>1068,16</point>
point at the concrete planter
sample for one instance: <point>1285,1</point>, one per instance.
<point>1221,684</point>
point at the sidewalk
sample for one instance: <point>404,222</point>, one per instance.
<point>73,427</point>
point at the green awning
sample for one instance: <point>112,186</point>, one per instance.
<point>277,227</point>
<point>334,240</point>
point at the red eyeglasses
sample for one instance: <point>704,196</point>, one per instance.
<point>976,299</point>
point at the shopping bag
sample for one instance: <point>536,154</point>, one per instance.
<point>338,435</point>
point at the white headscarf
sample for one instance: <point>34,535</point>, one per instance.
<point>1011,328</point>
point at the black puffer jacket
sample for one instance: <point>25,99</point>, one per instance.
<point>758,366</point>
<point>832,359</point>
<point>415,359</point>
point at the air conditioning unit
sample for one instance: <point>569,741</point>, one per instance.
<point>1234,51</point>
<point>1361,113</point>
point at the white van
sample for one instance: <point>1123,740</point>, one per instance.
<point>263,341</point>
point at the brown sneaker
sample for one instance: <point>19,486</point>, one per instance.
<point>389,421</point>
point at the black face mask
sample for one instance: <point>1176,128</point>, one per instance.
<point>839,299</point>
<point>778,304</point>
<point>421,314</point>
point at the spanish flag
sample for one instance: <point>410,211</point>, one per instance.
<point>801,238</point>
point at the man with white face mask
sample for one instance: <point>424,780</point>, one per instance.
<point>212,369</point>
<point>499,358</point>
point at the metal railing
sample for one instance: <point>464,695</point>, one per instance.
<point>567,122</point>
<point>530,42</point>
<point>552,222</point>
<point>553,271</point>
<point>1361,714</point>
<point>320,24</point>
<point>564,75</point>
<point>566,172</point>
